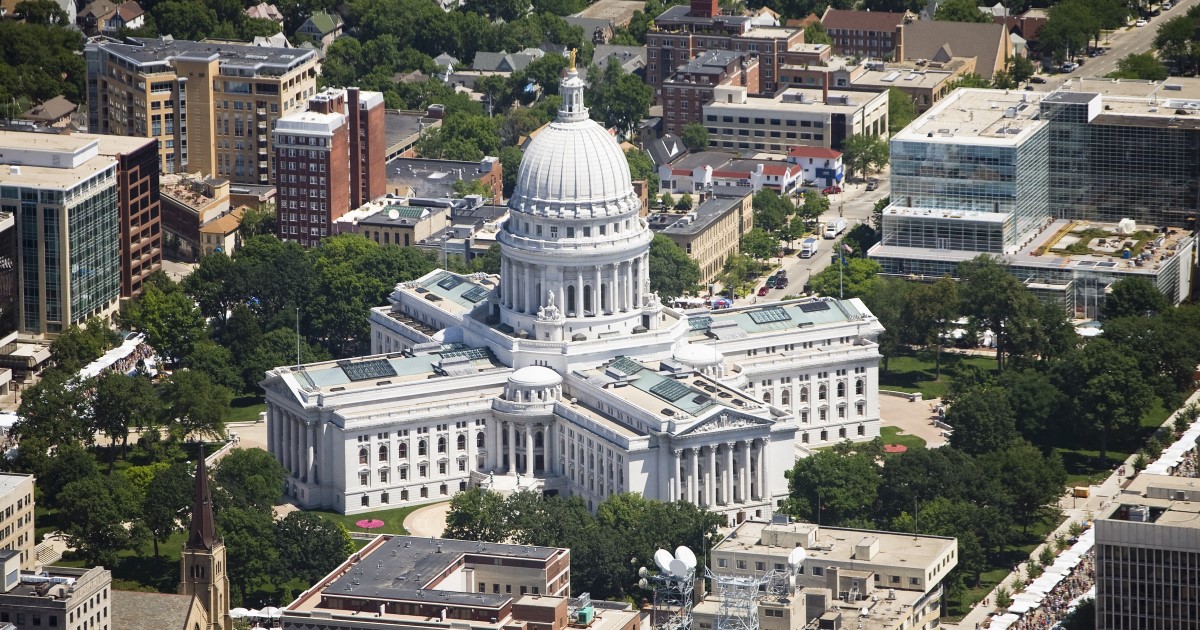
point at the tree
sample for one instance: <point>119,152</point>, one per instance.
<point>617,98</point>
<point>546,72</point>
<point>992,297</point>
<point>263,218</point>
<point>833,489</point>
<point>969,80</point>
<point>1143,66</point>
<point>770,210</point>
<point>672,272</point>
<point>854,278</point>
<point>1107,392</point>
<point>932,311</point>
<point>241,333</point>
<point>694,136</point>
<point>1175,41</point>
<point>1030,481</point>
<point>478,514</point>
<point>760,244</point>
<point>216,362</point>
<point>44,12</point>
<point>488,262</point>
<point>195,406</point>
<point>1020,68</point>
<point>901,110</point>
<point>1040,409</point>
<point>815,33</point>
<point>862,153</point>
<point>54,410</point>
<point>171,321</point>
<point>888,300</point>
<point>122,402</point>
<point>507,10</point>
<point>641,167</point>
<point>166,500</point>
<point>1134,297</point>
<point>71,463</point>
<point>249,537</point>
<point>94,512</point>
<point>76,347</point>
<point>667,200</point>
<point>684,202</point>
<point>184,19</point>
<point>310,546</point>
<point>510,162</point>
<point>249,479</point>
<point>983,421</point>
<point>1068,28</point>
<point>815,205</point>
<point>278,347</point>
<point>961,11</point>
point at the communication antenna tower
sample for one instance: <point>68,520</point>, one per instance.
<point>740,594</point>
<point>673,588</point>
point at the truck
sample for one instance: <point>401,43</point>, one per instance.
<point>835,227</point>
<point>808,248</point>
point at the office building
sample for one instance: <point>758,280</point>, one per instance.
<point>695,82</point>
<point>1147,554</point>
<point>56,597</point>
<point>1020,176</point>
<point>566,374</point>
<point>793,117</point>
<point>683,32</point>
<point>210,106</point>
<point>866,579</point>
<point>924,84</point>
<point>16,517</point>
<point>64,195</point>
<point>366,125</point>
<point>440,583</point>
<point>140,205</point>
<point>710,233</point>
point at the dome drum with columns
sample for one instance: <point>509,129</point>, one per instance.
<point>575,260</point>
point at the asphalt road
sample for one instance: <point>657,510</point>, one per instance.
<point>1119,43</point>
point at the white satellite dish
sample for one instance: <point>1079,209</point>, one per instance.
<point>642,583</point>
<point>663,559</point>
<point>686,555</point>
<point>642,572</point>
<point>393,214</point>
<point>678,567</point>
<point>796,557</point>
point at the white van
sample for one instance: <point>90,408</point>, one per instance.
<point>835,227</point>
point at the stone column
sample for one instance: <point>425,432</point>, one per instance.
<point>529,450</point>
<point>510,453</point>
<point>763,490</point>
<point>310,448</point>
<point>673,478</point>
<point>288,438</point>
<point>526,289</point>
<point>711,478</point>
<point>694,480</point>
<point>746,470</point>
<point>579,292</point>
<point>727,478</point>
<point>614,292</point>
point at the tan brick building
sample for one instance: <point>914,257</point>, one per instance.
<point>210,106</point>
<point>710,233</point>
<point>16,516</point>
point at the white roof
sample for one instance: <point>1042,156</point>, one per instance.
<point>535,376</point>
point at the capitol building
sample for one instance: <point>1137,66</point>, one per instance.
<point>566,375</point>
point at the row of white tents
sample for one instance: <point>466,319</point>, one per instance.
<point>1033,595</point>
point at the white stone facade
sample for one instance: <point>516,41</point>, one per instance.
<point>577,381</point>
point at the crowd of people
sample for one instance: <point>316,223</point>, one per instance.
<point>1057,602</point>
<point>129,363</point>
<point>1190,466</point>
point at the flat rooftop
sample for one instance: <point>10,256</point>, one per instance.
<point>977,116</point>
<point>734,323</point>
<point>901,77</point>
<point>884,614</point>
<point>62,179</point>
<point>692,161</point>
<point>1159,494</point>
<point>797,99</point>
<point>162,51</point>
<point>399,126</point>
<point>838,544</point>
<point>448,360</point>
<point>709,62</point>
<point>1174,103</point>
<point>431,178</point>
<point>10,482</point>
<point>681,14</point>
<point>705,215</point>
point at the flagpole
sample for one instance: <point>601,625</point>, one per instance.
<point>841,275</point>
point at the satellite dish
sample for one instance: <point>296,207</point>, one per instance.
<point>642,572</point>
<point>663,559</point>
<point>393,214</point>
<point>686,555</point>
<point>796,557</point>
<point>678,568</point>
<point>642,583</point>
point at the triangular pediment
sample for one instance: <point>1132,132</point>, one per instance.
<point>725,421</point>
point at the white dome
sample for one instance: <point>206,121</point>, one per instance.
<point>535,376</point>
<point>572,163</point>
<point>697,355</point>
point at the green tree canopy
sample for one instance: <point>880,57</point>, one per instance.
<point>250,479</point>
<point>641,167</point>
<point>837,489</point>
<point>94,514</point>
<point>983,421</point>
<point>310,546</point>
<point>76,347</point>
<point>863,154</point>
<point>855,278</point>
<point>901,110</point>
<point>694,136</point>
<point>815,33</point>
<point>195,406</point>
<point>961,11</point>
<point>672,272</point>
<point>165,506</point>
<point>617,98</point>
<point>1134,297</point>
<point>121,402</point>
<point>251,551</point>
<point>171,321</point>
<point>1107,392</point>
<point>760,244</point>
<point>1143,66</point>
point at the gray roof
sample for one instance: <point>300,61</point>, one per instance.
<point>504,61</point>
<point>923,39</point>
<point>680,14</point>
<point>401,568</point>
<point>711,210</point>
<point>431,178</point>
<point>714,159</point>
<point>631,58</point>
<point>709,62</point>
<point>161,52</point>
<point>446,59</point>
<point>665,149</point>
<point>150,611</point>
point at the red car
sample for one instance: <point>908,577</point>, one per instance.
<point>762,290</point>
<point>832,190</point>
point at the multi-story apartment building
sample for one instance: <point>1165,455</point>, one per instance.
<point>64,195</point>
<point>210,106</point>
<point>794,117</point>
<point>710,233</point>
<point>868,579</point>
<point>365,119</point>
<point>1075,190</point>
<point>866,34</point>
<point>312,157</point>
<point>683,32</point>
<point>16,517</point>
<point>140,205</point>
<point>58,597</point>
<point>1147,554</point>
<point>693,85</point>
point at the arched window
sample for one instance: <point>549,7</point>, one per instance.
<point>442,444</point>
<point>402,450</point>
<point>767,397</point>
<point>785,397</point>
<point>803,394</point>
<point>587,299</point>
<point>383,452</point>
<point>480,441</point>
<point>571,309</point>
<point>363,456</point>
<point>859,387</point>
<point>462,442</point>
<point>822,393</point>
<point>841,390</point>
<point>422,449</point>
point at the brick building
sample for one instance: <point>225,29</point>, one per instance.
<point>687,91</point>
<point>866,34</point>
<point>140,206</point>
<point>365,113</point>
<point>682,32</point>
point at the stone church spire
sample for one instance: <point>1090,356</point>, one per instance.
<point>202,532</point>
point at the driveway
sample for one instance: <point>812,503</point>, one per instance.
<point>428,521</point>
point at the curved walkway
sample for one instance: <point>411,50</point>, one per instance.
<point>427,521</point>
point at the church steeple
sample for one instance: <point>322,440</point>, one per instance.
<point>202,533</point>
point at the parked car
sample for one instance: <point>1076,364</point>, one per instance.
<point>770,282</point>
<point>1166,6</point>
<point>1070,67</point>
<point>762,290</point>
<point>872,184</point>
<point>1037,80</point>
<point>1140,23</point>
<point>832,190</point>
<point>781,283</point>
